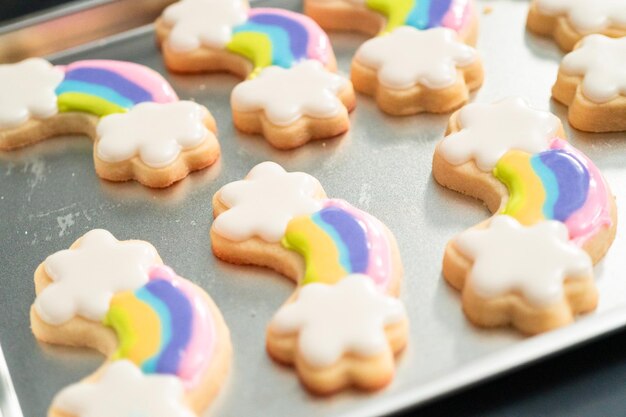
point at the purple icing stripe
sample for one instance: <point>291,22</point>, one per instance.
<point>350,232</point>
<point>438,10</point>
<point>112,80</point>
<point>573,182</point>
<point>181,320</point>
<point>298,35</point>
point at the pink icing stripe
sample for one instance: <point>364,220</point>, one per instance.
<point>458,15</point>
<point>379,268</point>
<point>596,212</point>
<point>318,47</point>
<point>145,77</point>
<point>200,350</point>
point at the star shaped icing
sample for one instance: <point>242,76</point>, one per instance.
<point>285,95</point>
<point>124,391</point>
<point>588,15</point>
<point>155,132</point>
<point>85,278</point>
<point>601,61</point>
<point>28,91</point>
<point>407,57</point>
<point>333,320</point>
<point>197,23</point>
<point>264,202</point>
<point>533,260</point>
<point>488,131</point>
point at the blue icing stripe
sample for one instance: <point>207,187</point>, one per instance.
<point>69,86</point>
<point>143,294</point>
<point>419,17</point>
<point>106,78</point>
<point>281,51</point>
<point>550,185</point>
<point>344,255</point>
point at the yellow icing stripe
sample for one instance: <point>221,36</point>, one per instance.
<point>319,251</point>
<point>526,192</point>
<point>396,11</point>
<point>137,326</point>
<point>257,47</point>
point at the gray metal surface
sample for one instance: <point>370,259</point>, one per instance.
<point>50,195</point>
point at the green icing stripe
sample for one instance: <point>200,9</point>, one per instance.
<point>118,319</point>
<point>87,103</point>
<point>508,175</point>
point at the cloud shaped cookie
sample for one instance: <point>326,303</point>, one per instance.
<point>592,83</point>
<point>436,76</point>
<point>293,106</point>
<point>568,21</point>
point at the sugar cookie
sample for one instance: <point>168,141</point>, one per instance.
<point>531,264</point>
<point>291,106</point>
<point>338,255</point>
<point>291,94</point>
<point>437,75</point>
<point>592,82</point>
<point>167,345</point>
<point>568,21</point>
<point>140,129</point>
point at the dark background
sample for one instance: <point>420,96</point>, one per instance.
<point>588,381</point>
<point>11,9</point>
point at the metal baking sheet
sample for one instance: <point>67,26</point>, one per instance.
<point>50,195</point>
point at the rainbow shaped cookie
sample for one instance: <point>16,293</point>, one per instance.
<point>140,129</point>
<point>343,325</point>
<point>167,346</point>
<point>374,17</point>
<point>531,264</point>
<point>290,94</point>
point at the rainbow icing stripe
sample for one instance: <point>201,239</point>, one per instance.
<point>103,87</point>
<point>423,14</point>
<point>164,326</point>
<point>558,184</point>
<point>340,240</point>
<point>279,37</point>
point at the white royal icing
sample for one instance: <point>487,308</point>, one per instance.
<point>264,202</point>
<point>85,278</point>
<point>27,90</point>
<point>408,56</point>
<point>333,320</point>
<point>488,131</point>
<point>285,95</point>
<point>588,15</point>
<point>124,391</point>
<point>533,260</point>
<point>155,132</point>
<point>601,61</point>
<point>197,23</point>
